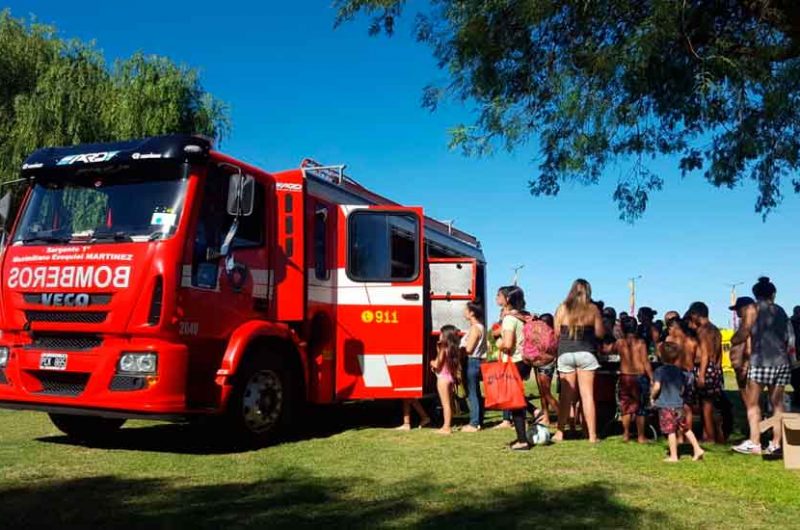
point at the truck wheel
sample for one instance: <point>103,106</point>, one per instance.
<point>86,428</point>
<point>264,397</point>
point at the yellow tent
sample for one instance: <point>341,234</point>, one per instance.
<point>727,335</point>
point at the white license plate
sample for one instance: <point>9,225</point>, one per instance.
<point>53,361</point>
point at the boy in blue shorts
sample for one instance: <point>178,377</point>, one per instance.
<point>667,394</point>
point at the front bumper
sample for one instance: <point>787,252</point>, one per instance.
<point>88,385</point>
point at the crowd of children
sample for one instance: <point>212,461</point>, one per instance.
<point>672,366</point>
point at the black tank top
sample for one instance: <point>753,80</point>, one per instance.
<point>769,334</point>
<point>585,340</point>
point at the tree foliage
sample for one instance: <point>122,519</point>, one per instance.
<point>596,83</point>
<point>60,92</point>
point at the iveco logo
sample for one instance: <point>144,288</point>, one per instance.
<point>65,299</point>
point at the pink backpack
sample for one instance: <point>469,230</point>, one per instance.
<point>540,342</point>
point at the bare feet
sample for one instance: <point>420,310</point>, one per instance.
<point>404,427</point>
<point>626,438</point>
<point>643,441</point>
<point>470,428</point>
<point>593,440</point>
<point>558,436</point>
<point>698,456</point>
<point>445,430</point>
<point>505,424</point>
<point>671,460</point>
<point>520,446</point>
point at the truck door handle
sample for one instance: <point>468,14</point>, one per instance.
<point>410,296</point>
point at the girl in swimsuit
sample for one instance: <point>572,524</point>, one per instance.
<point>447,367</point>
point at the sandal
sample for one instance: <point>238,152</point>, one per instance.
<point>520,446</point>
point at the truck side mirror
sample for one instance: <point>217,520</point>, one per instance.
<point>241,195</point>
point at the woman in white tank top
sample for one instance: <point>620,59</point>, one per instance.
<point>474,344</point>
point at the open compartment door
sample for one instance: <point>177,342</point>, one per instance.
<point>380,312</point>
<point>453,283</point>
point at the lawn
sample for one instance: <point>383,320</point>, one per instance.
<point>355,471</point>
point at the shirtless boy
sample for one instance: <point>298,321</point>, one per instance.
<point>708,371</point>
<point>635,375</point>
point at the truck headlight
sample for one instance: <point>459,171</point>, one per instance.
<point>138,363</point>
<point>3,356</point>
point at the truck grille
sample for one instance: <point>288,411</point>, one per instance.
<point>65,342</point>
<point>62,383</point>
<point>72,317</point>
<point>94,299</point>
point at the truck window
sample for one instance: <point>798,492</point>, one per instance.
<point>213,225</point>
<point>383,246</point>
<point>321,269</point>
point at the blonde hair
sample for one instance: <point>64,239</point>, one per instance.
<point>578,304</point>
<point>671,352</point>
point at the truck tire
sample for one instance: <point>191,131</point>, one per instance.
<point>265,397</point>
<point>86,428</point>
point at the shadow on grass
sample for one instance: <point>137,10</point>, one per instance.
<point>297,500</point>
<point>319,422</point>
<point>205,438</point>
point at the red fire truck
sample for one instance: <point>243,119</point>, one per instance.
<point>162,279</point>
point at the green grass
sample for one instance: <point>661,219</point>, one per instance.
<point>351,475</point>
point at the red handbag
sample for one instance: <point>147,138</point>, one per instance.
<point>503,386</point>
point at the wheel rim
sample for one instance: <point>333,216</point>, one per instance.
<point>262,401</point>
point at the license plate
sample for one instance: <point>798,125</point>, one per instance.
<point>53,361</point>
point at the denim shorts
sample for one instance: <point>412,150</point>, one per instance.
<point>548,370</point>
<point>577,360</point>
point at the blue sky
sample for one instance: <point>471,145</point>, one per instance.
<point>298,88</point>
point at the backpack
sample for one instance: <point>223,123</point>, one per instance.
<point>540,343</point>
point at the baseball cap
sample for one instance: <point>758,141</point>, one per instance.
<point>647,311</point>
<point>742,301</point>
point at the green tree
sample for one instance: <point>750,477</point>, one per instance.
<point>59,92</point>
<point>712,84</point>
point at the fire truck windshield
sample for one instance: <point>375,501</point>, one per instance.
<point>130,205</point>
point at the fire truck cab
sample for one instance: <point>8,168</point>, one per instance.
<point>161,279</point>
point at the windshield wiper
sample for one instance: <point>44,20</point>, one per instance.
<point>111,236</point>
<point>46,236</point>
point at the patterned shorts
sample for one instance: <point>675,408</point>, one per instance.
<point>714,382</point>
<point>670,421</point>
<point>770,375</point>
